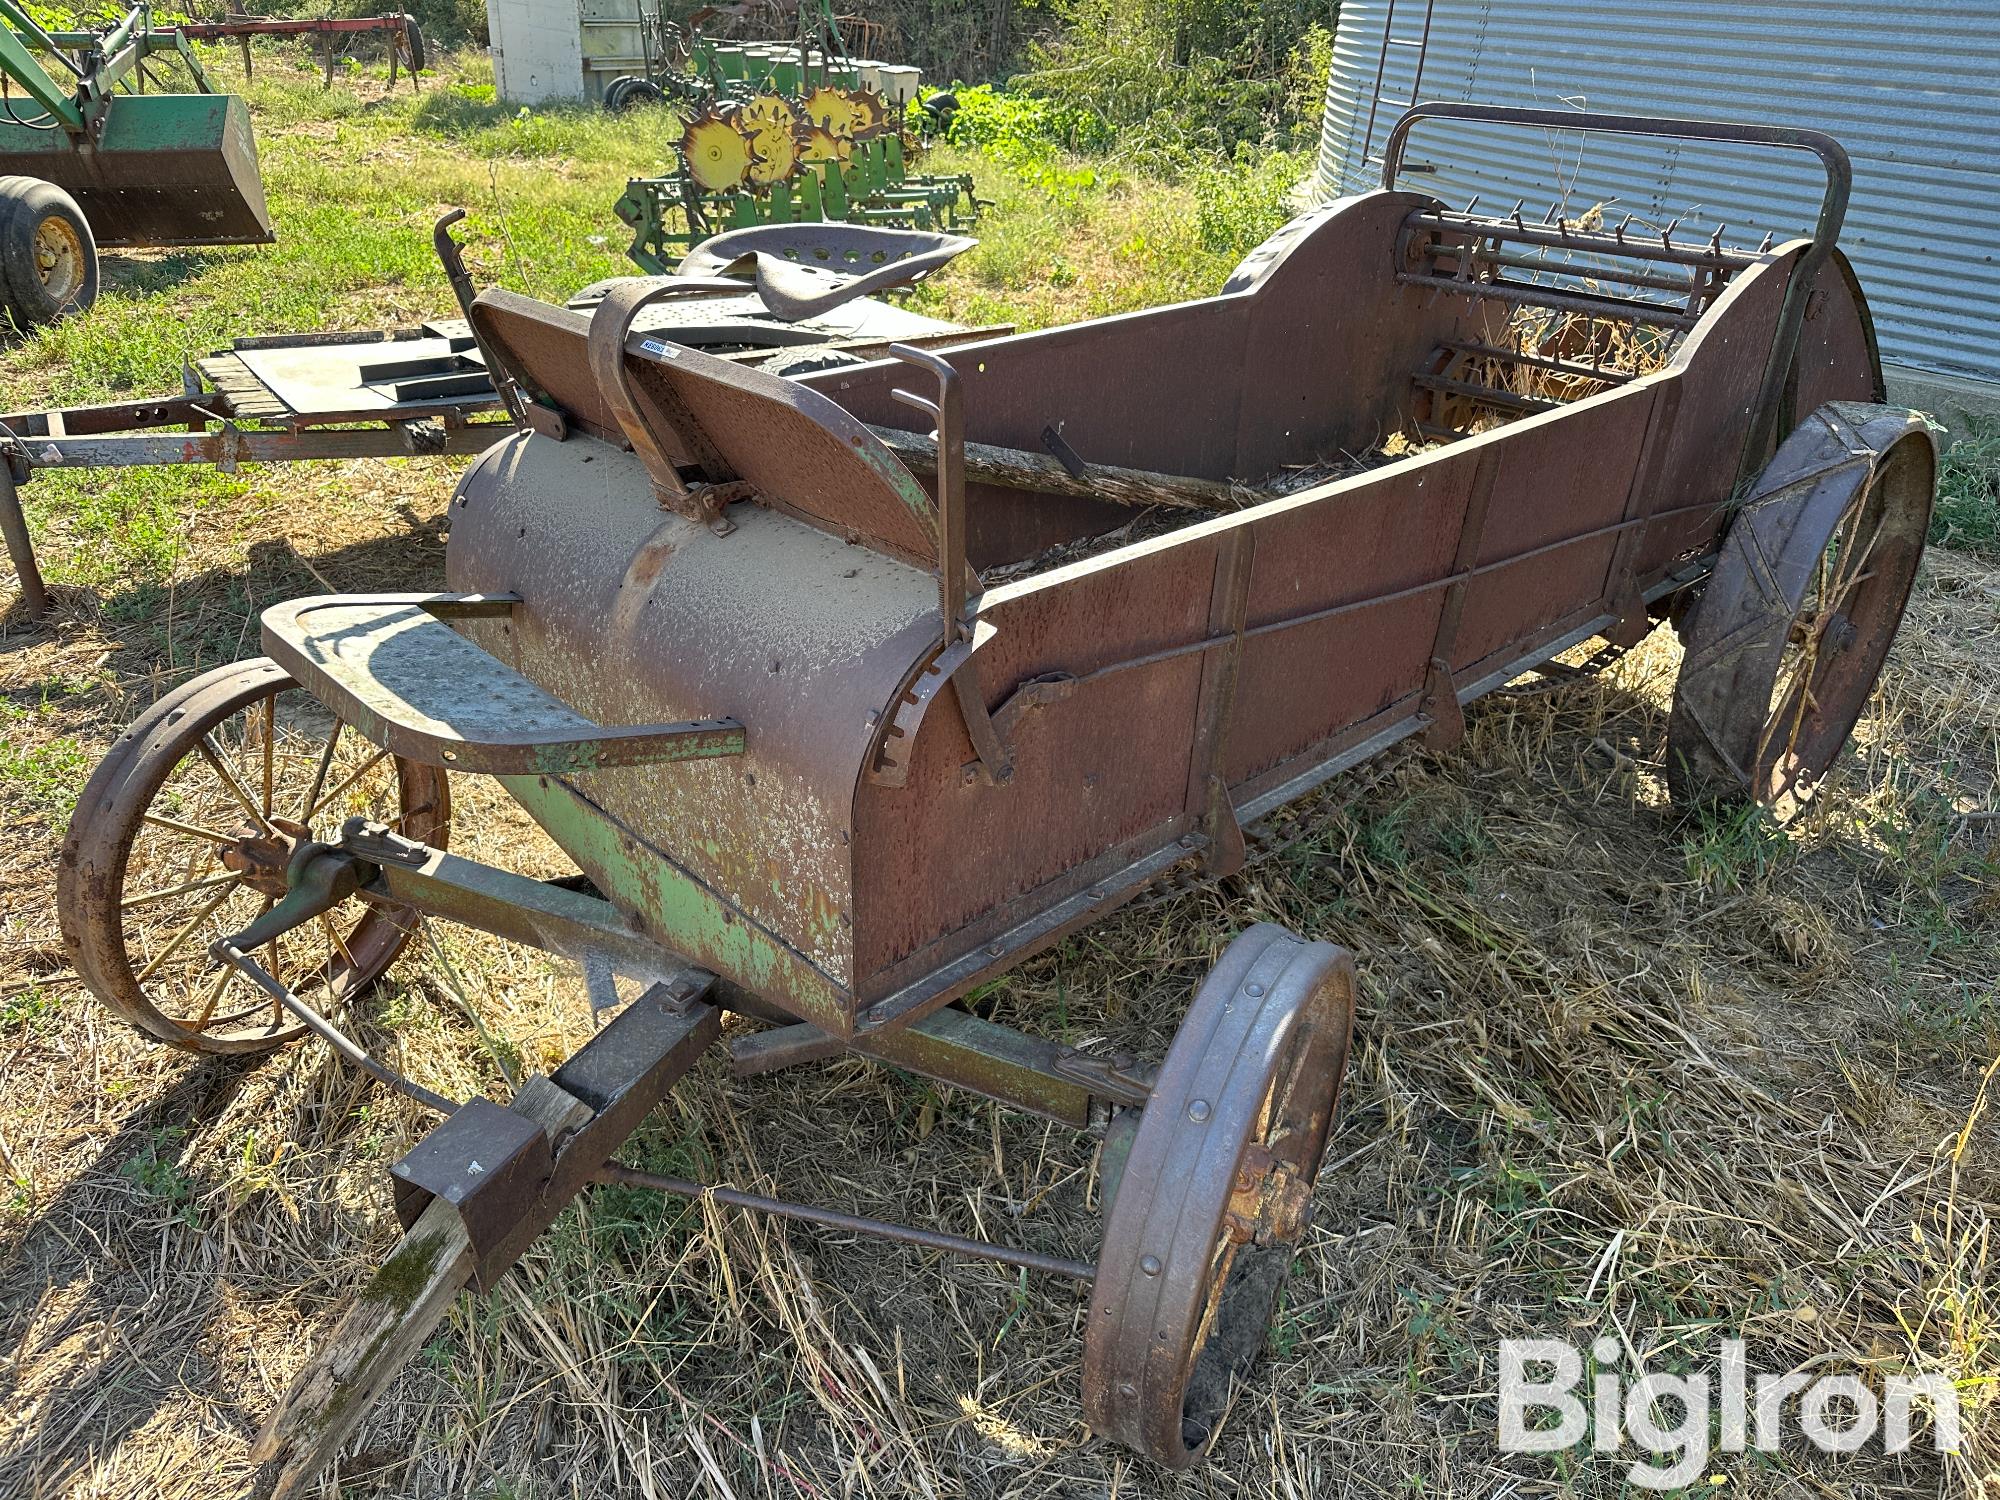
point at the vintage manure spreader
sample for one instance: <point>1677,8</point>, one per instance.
<point>816,766</point>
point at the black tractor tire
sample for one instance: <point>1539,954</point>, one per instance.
<point>636,91</point>
<point>413,45</point>
<point>48,256</point>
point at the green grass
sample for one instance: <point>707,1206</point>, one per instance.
<point>1968,501</point>
<point>40,779</point>
<point>356,179</point>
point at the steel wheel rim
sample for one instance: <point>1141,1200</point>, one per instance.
<point>1839,638</point>
<point>1257,1060</point>
<point>1247,1278</point>
<point>59,258</point>
<point>125,819</point>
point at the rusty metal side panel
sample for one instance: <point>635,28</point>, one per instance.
<point>1310,355</point>
<point>1564,474</point>
<point>803,452</point>
<point>1151,390</point>
<point>549,347</point>
<point>1333,338</point>
<point>1719,369</point>
<point>1838,358</point>
<point>1301,685</point>
<point>629,611</point>
<point>1005,525</point>
<point>1091,772</point>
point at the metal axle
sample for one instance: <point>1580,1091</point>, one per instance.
<point>908,1234</point>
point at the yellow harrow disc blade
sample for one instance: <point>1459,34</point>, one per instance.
<point>767,112</point>
<point>774,156</point>
<point>830,109</point>
<point>717,155</point>
<point>871,114</point>
<point>824,145</point>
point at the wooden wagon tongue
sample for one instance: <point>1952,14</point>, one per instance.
<point>1206,1191</point>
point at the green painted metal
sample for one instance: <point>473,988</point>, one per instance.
<point>871,189</point>
<point>146,169</point>
<point>168,169</point>
<point>18,62</point>
<point>681,913</point>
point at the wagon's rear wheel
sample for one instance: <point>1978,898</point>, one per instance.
<point>182,835</point>
<point>1791,631</point>
<point>1215,1194</point>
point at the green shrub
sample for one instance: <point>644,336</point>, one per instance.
<point>1173,80</point>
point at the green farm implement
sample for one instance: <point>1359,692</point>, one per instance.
<point>95,155</point>
<point>782,133</point>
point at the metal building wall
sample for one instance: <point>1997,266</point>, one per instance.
<point>1911,89</point>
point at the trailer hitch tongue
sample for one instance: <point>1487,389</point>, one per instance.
<point>317,878</point>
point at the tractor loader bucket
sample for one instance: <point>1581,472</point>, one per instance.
<point>168,169</point>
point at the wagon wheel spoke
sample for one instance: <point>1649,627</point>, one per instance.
<point>203,847</point>
<point>275,964</point>
<point>212,999</point>
<point>270,749</point>
<point>192,830</point>
<point>208,752</point>
<point>175,943</point>
<point>186,888</point>
<point>355,775</point>
<point>319,773</point>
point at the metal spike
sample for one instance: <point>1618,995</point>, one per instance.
<point>1765,248</point>
<point>1474,203</point>
<point>1715,244</point>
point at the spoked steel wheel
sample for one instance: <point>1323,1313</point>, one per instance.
<point>1216,1193</point>
<point>1792,630</point>
<point>183,835</point>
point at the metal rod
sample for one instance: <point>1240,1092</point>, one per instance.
<point>225,952</point>
<point>20,546</point>
<point>908,1234</point>
<point>1485,395</point>
<point>1556,299</point>
<point>1679,286</point>
<point>1608,374</point>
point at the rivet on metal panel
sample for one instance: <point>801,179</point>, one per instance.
<point>1198,1111</point>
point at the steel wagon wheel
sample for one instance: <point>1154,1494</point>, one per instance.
<point>1216,1193</point>
<point>182,835</point>
<point>1784,648</point>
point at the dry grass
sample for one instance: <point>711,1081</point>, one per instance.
<point>1615,1073</point>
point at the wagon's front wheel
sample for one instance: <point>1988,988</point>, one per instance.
<point>1215,1193</point>
<point>183,834</point>
<point>1794,624</point>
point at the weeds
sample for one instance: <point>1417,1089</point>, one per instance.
<point>1968,502</point>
